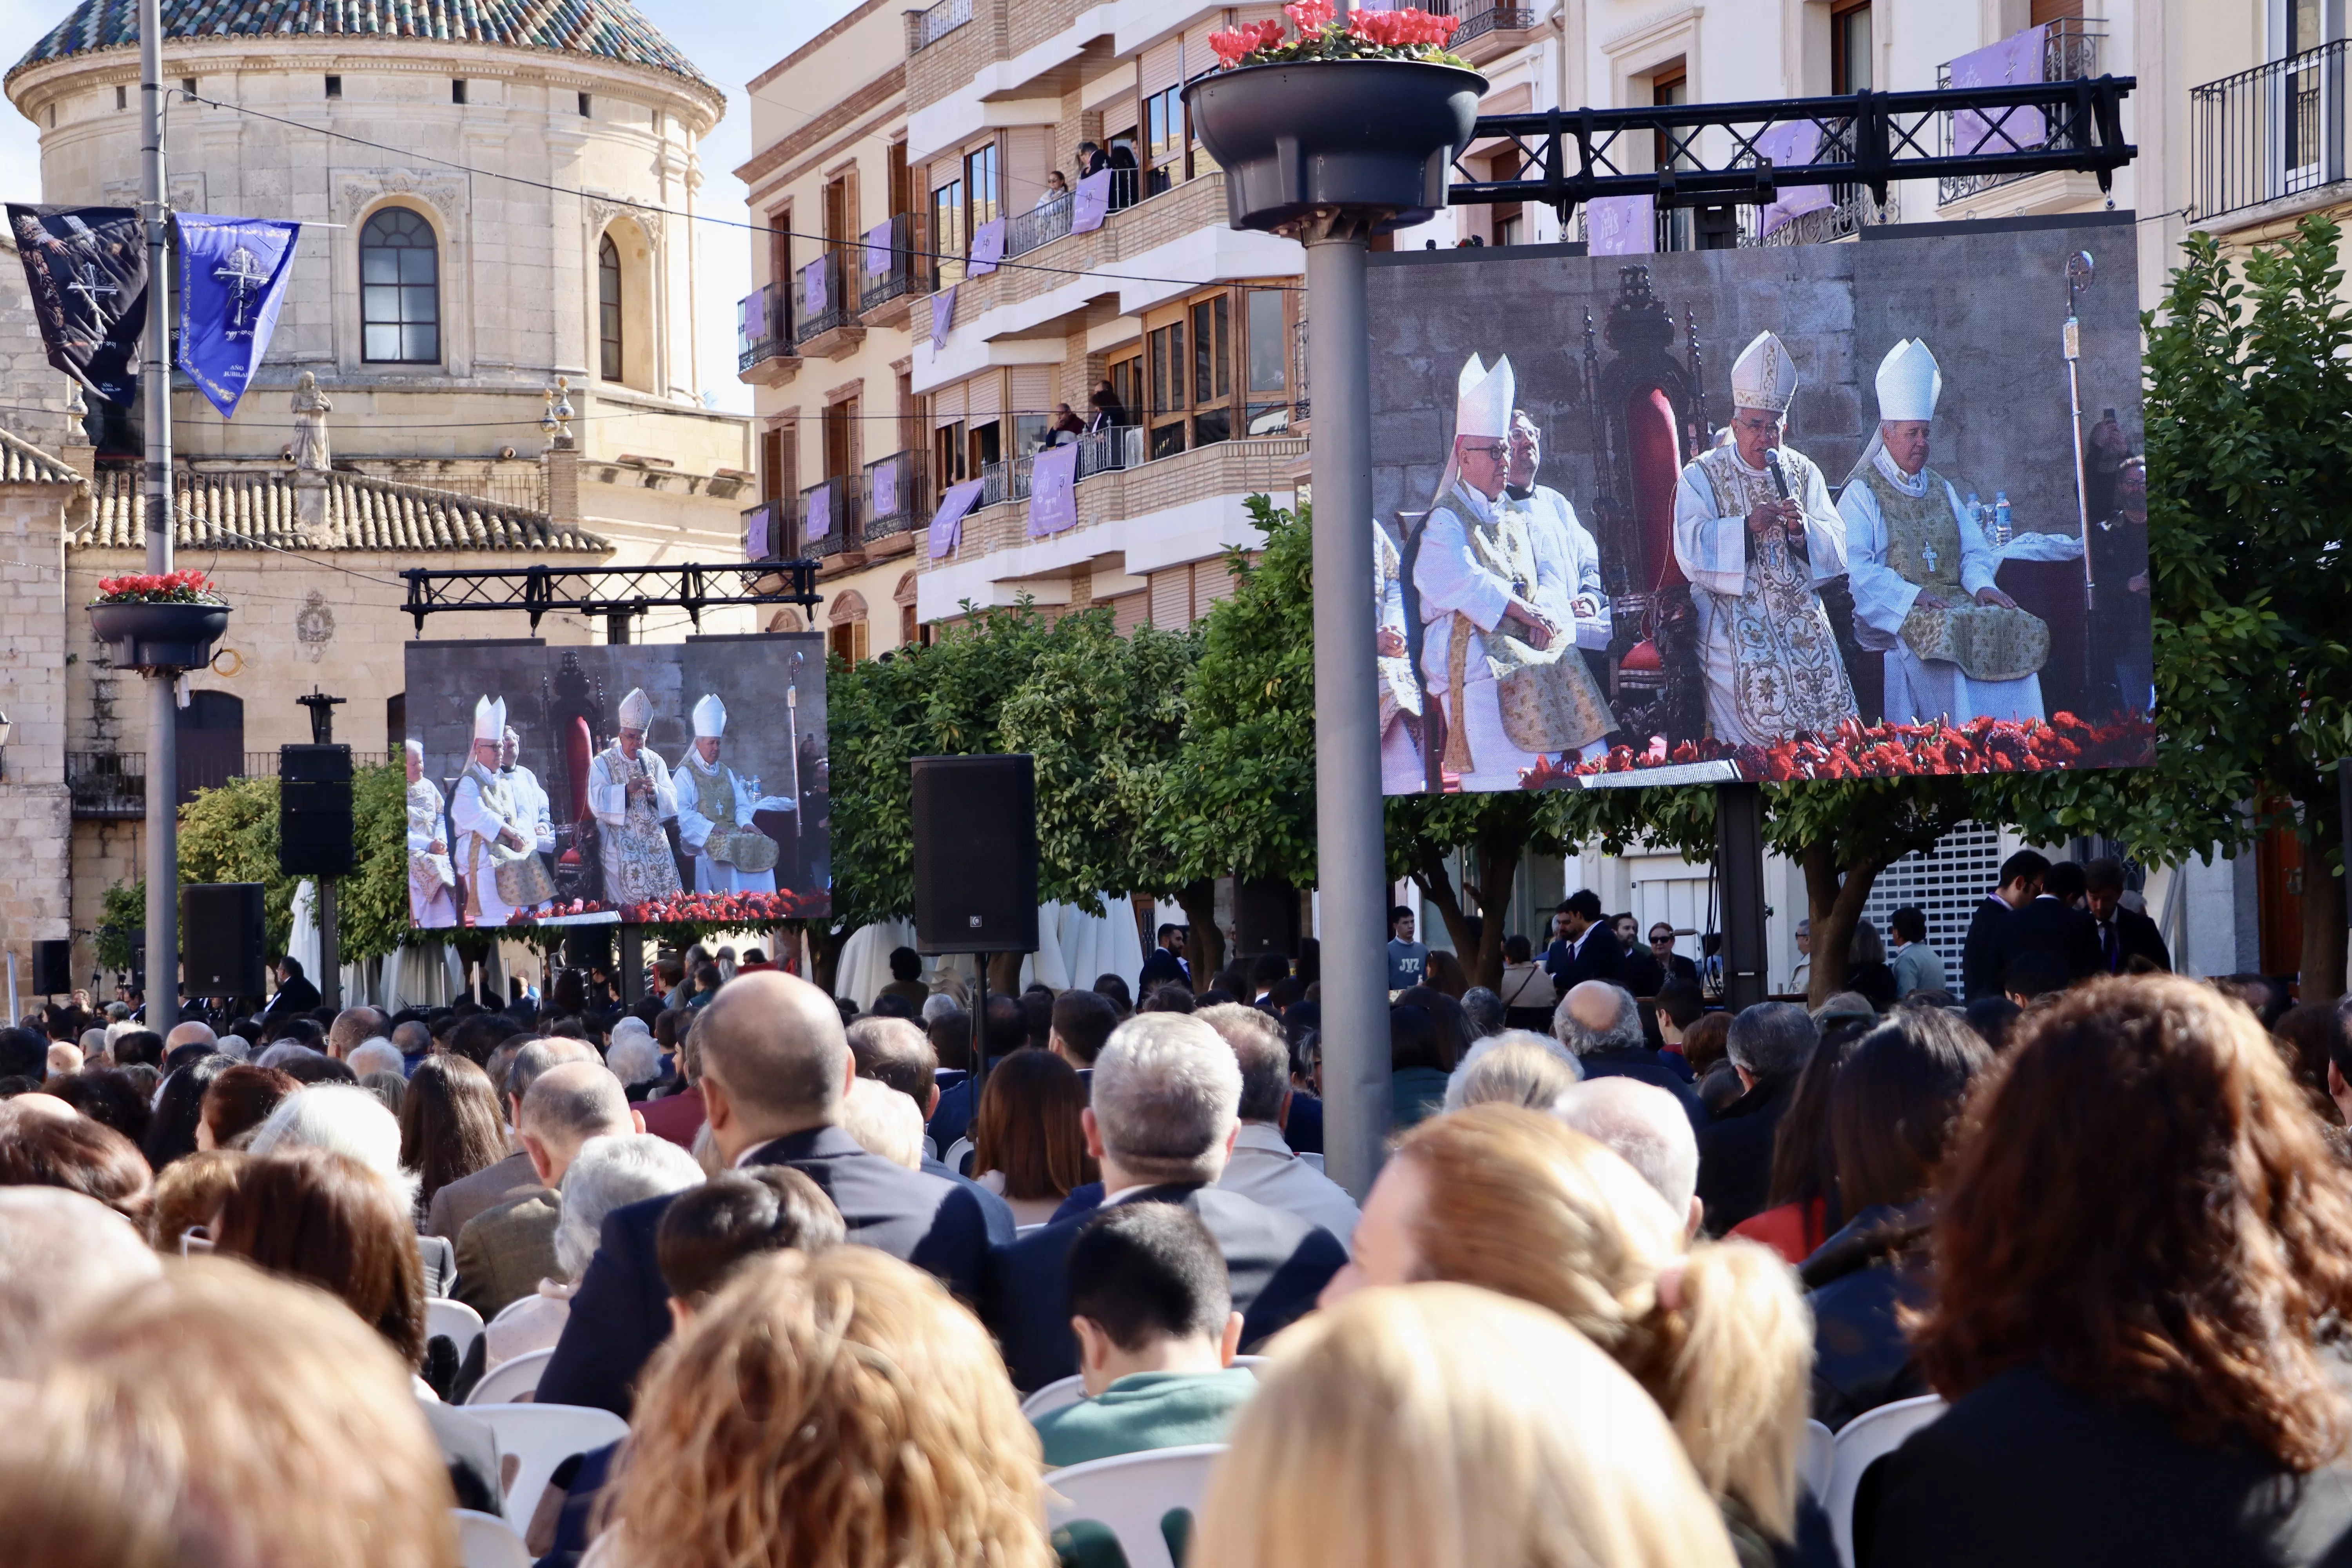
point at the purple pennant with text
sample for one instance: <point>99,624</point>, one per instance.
<point>813,292</point>
<point>1621,226</point>
<point>947,524</point>
<point>987,248</point>
<point>2013,61</point>
<point>942,316</point>
<point>817,513</point>
<point>878,249</point>
<point>1054,490</point>
<point>1787,145</point>
<point>1091,203</point>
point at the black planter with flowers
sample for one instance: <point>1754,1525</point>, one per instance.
<point>165,622</point>
<point>1364,117</point>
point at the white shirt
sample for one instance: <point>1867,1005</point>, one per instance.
<point>1264,1168</point>
<point>1882,596</point>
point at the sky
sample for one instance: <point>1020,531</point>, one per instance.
<point>730,45</point>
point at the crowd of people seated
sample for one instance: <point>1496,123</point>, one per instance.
<point>859,1293</point>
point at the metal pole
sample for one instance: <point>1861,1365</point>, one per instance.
<point>155,389</point>
<point>633,964</point>
<point>1739,868</point>
<point>331,951</point>
<point>1351,860</point>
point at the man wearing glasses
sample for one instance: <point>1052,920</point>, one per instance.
<point>1754,533</point>
<point>1498,647</point>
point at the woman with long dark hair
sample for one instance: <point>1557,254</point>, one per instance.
<point>449,1124</point>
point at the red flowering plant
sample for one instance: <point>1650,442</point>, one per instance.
<point>159,588</point>
<point>1407,35</point>
<point>703,908</point>
<point>1858,750</point>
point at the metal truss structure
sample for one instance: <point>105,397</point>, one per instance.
<point>617,593</point>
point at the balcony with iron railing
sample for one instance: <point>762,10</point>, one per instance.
<point>1110,450</point>
<point>2071,49</point>
<point>927,27</point>
<point>826,308</point>
<point>829,517</point>
<point>107,785</point>
<point>1041,224</point>
<point>1487,31</point>
<point>1131,227</point>
<point>764,355</point>
<point>890,275</point>
<point>897,496</point>
<point>2275,133</point>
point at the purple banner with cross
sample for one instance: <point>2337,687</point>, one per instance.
<point>1788,144</point>
<point>1621,226</point>
<point>942,316</point>
<point>2015,60</point>
<point>878,249</point>
<point>817,520</point>
<point>813,289</point>
<point>947,523</point>
<point>1054,490</point>
<point>987,248</point>
<point>1092,202</point>
<point>885,489</point>
<point>755,534</point>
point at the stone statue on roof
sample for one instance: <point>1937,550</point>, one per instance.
<point>310,407</point>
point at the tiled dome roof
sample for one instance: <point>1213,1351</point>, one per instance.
<point>255,510</point>
<point>607,29</point>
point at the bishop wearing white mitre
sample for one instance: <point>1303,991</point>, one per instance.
<point>1498,644</point>
<point>1754,533</point>
<point>714,813</point>
<point>1957,647</point>
<point>497,847</point>
<point>530,794</point>
<point>629,793</point>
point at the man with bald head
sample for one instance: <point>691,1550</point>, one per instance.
<point>353,1028</point>
<point>507,1249</point>
<point>457,1205</point>
<point>775,1069</point>
<point>1600,1024</point>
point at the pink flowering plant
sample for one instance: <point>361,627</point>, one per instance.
<point>1408,34</point>
<point>159,588</point>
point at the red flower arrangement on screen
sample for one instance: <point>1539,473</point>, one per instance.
<point>159,588</point>
<point>742,909</point>
<point>1408,34</point>
<point>1859,750</point>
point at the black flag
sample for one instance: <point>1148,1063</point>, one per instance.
<point>86,267</point>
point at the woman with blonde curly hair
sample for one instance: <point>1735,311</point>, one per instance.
<point>1519,1203</point>
<point>837,1408</point>
<point>1443,1426</point>
<point>2143,1262</point>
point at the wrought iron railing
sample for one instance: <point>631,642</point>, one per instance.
<point>2275,130</point>
<point>762,326</point>
<point>1003,481</point>
<point>896,493</point>
<point>1477,19</point>
<point>904,270</point>
<point>831,514</point>
<point>2070,52</point>
<point>107,783</point>
<point>1107,450</point>
<point>823,303</point>
<point>1041,224</point>
<point>925,28</point>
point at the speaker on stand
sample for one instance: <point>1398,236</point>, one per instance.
<point>221,939</point>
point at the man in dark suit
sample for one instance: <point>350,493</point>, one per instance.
<point>1588,948</point>
<point>1768,1045</point>
<point>1164,1113</point>
<point>1601,1024</point>
<point>2123,934</point>
<point>775,1069</point>
<point>1644,973</point>
<point>2052,921</point>
<point>1992,929</point>
<point>1166,964</point>
<point>1672,965</point>
<point>507,1249</point>
<point>294,993</point>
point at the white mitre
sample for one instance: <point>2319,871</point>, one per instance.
<point>637,710</point>
<point>710,717</point>
<point>491,720</point>
<point>1483,399</point>
<point>1909,382</point>
<point>1764,377</point>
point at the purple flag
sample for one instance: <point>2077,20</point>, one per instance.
<point>947,524</point>
<point>987,248</point>
<point>942,316</point>
<point>818,512</point>
<point>233,276</point>
<point>751,320</point>
<point>886,488</point>
<point>813,294</point>
<point>1091,203</point>
<point>878,249</point>
<point>1054,490</point>
<point>2013,61</point>
<point>755,534</point>
<point>1792,142</point>
<point>1621,226</point>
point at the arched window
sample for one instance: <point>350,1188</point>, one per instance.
<point>400,290</point>
<point>848,634</point>
<point>608,307</point>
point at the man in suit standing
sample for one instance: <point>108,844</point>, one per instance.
<point>506,1250</point>
<point>1992,931</point>
<point>1588,948</point>
<point>1163,1118</point>
<point>2123,934</point>
<point>2054,921</point>
<point>775,1069</point>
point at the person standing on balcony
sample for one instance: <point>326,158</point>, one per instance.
<point>1754,533</point>
<point>1497,650</point>
<point>1109,413</point>
<point>1057,189</point>
<point>1067,426</point>
<point>1092,158</point>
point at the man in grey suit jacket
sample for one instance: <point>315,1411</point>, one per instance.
<point>505,1251</point>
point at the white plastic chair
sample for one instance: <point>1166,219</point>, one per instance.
<point>512,1381</point>
<point>486,1540</point>
<point>1131,1494</point>
<point>958,1152</point>
<point>1817,1461</point>
<point>1868,1437</point>
<point>541,1436</point>
<point>455,1320</point>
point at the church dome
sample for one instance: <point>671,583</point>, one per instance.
<point>601,29</point>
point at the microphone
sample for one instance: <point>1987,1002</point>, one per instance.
<point>1779,475</point>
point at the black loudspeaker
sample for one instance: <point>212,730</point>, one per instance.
<point>1265,918</point>
<point>53,967</point>
<point>220,939</point>
<point>314,810</point>
<point>976,853</point>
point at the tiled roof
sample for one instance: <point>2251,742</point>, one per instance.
<point>22,463</point>
<point>250,509</point>
<point>607,29</point>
